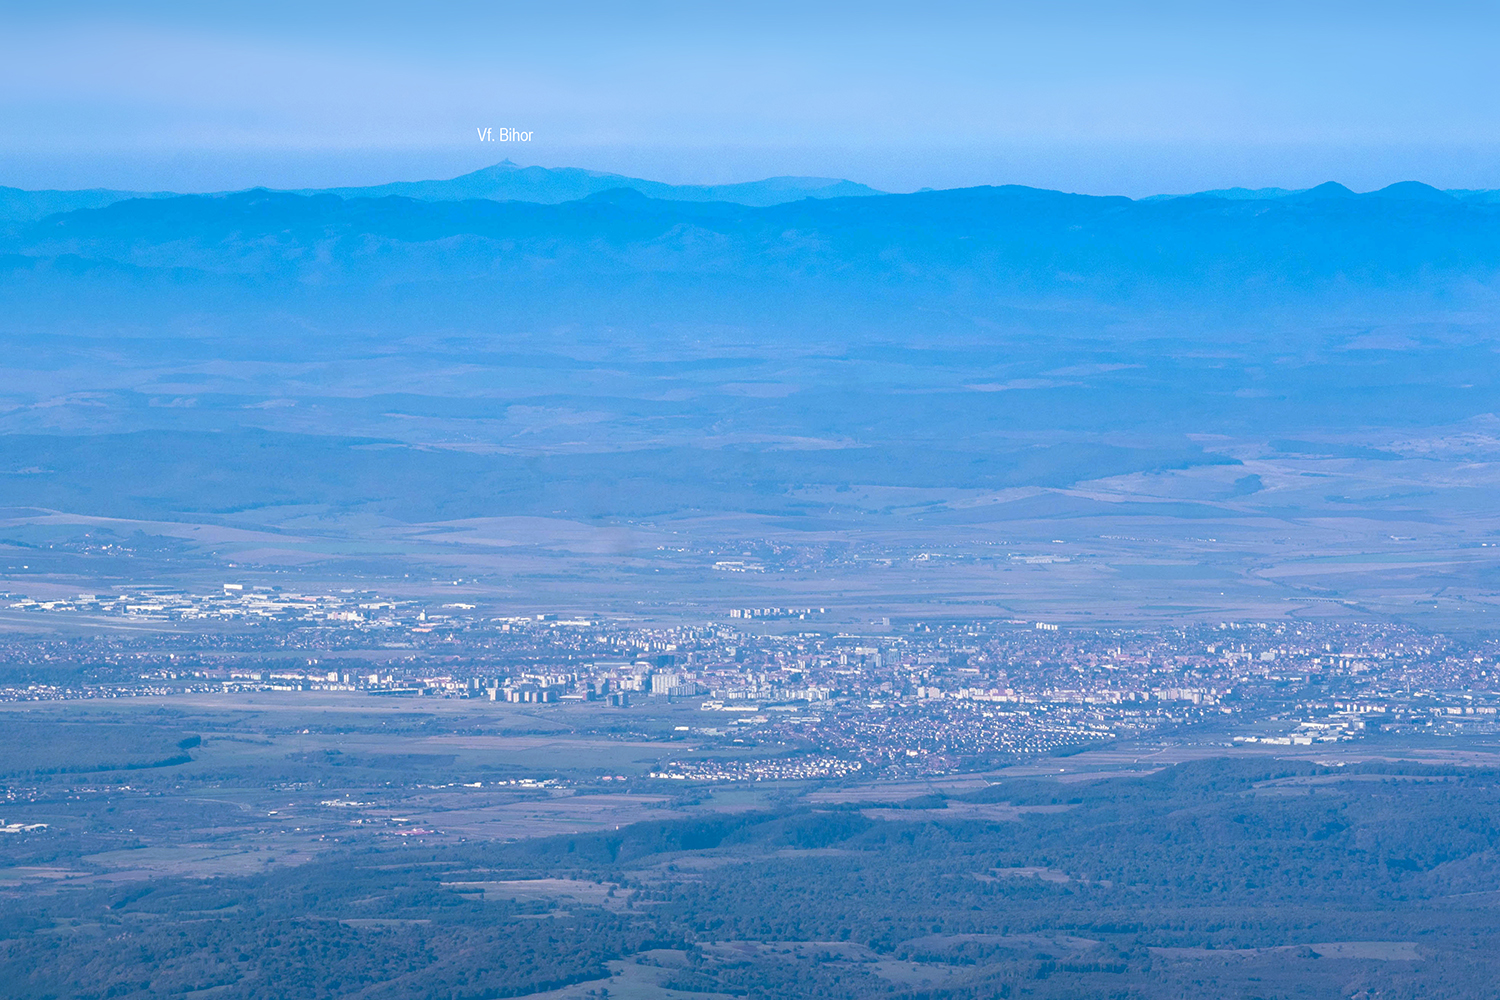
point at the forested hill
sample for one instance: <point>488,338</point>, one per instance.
<point>1216,879</point>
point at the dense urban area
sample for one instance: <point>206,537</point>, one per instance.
<point>907,698</point>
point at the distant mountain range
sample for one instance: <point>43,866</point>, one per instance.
<point>17,205</point>
<point>1407,190</point>
<point>1031,269</point>
<point>987,337</point>
<point>504,181</point>
<point>507,181</point>
<point>552,185</point>
<point>967,252</point>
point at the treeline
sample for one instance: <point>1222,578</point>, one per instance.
<point>324,931</point>
<point>34,747</point>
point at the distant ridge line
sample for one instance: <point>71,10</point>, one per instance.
<point>508,181</point>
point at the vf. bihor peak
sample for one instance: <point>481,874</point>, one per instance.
<point>552,583</point>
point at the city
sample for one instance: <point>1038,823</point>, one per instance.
<point>929,698</point>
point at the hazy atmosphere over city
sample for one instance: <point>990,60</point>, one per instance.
<point>668,503</point>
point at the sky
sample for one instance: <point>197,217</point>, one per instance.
<point>1106,98</point>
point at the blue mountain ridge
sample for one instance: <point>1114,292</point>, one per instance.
<point>508,181</point>
<point>504,181</point>
<point>1320,249</point>
<point>974,338</point>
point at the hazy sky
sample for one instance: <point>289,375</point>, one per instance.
<point>1109,98</point>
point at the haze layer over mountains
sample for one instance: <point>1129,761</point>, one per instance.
<point>987,363</point>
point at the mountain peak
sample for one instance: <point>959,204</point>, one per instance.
<point>1412,191</point>
<point>1327,191</point>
